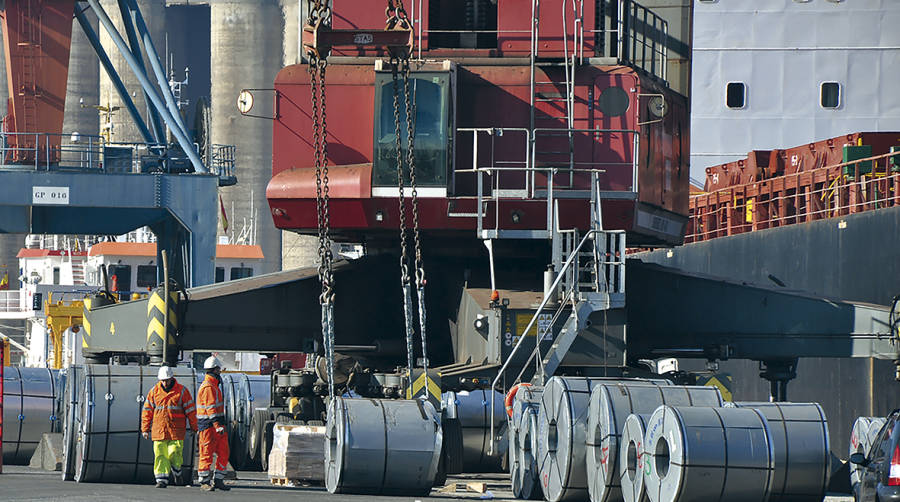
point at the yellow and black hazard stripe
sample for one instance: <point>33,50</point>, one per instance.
<point>426,384</point>
<point>156,332</point>
<point>86,322</point>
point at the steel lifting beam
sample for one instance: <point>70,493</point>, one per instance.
<point>128,22</point>
<point>320,39</point>
<point>113,75</point>
<point>149,90</point>
<point>676,314</point>
<point>156,65</point>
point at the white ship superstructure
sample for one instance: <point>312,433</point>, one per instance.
<point>66,268</point>
<point>777,73</point>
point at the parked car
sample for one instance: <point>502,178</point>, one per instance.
<point>880,471</point>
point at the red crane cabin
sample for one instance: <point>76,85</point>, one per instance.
<point>474,95</point>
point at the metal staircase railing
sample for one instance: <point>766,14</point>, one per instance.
<point>539,89</point>
<point>596,285</point>
<point>584,299</point>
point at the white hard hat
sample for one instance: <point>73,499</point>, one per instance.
<point>212,362</point>
<point>165,372</point>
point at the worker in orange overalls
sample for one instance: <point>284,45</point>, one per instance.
<point>211,418</point>
<point>167,407</point>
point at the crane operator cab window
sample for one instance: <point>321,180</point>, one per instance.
<point>431,91</point>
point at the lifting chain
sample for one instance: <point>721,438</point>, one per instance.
<point>400,63</point>
<point>411,162</point>
<point>405,282</point>
<point>320,13</point>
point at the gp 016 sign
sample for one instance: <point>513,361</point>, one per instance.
<point>49,195</point>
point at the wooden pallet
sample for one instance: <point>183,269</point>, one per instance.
<point>294,482</point>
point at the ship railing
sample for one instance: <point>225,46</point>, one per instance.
<point>625,30</point>
<point>221,160</point>
<point>48,152</point>
<point>826,192</point>
<point>642,38</point>
<point>45,151</point>
<point>513,170</point>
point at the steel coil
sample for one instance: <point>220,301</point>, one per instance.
<point>237,435</point>
<point>862,435</point>
<point>29,410</point>
<point>611,403</point>
<point>527,396</point>
<point>242,393</point>
<point>473,410</point>
<point>802,452</point>
<point>528,469</point>
<point>379,446</point>
<point>109,447</point>
<point>631,453</point>
<point>522,431</point>
<point>708,454</point>
<point>562,424</point>
<point>72,395</point>
<point>255,391</point>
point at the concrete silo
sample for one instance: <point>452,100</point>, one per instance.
<point>297,250</point>
<point>84,83</point>
<point>246,52</point>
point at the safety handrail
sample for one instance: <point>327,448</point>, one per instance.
<point>550,131</point>
<point>827,191</point>
<point>640,29</point>
<point>48,151</point>
<point>41,150</point>
<point>544,301</point>
<point>827,184</point>
<point>528,165</point>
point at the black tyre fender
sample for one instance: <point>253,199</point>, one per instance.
<point>266,444</point>
<point>452,446</point>
<point>257,428</point>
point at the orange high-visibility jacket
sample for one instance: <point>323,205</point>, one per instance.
<point>210,403</point>
<point>167,412</point>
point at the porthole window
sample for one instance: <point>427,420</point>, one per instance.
<point>613,101</point>
<point>735,94</point>
<point>830,95</point>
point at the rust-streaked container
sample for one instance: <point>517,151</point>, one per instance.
<point>766,164</point>
<point>829,152</point>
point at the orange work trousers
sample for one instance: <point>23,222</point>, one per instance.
<point>212,443</point>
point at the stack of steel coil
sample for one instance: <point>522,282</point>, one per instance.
<point>30,408</point>
<point>522,438</point>
<point>611,404</point>
<point>862,436</point>
<point>108,446</point>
